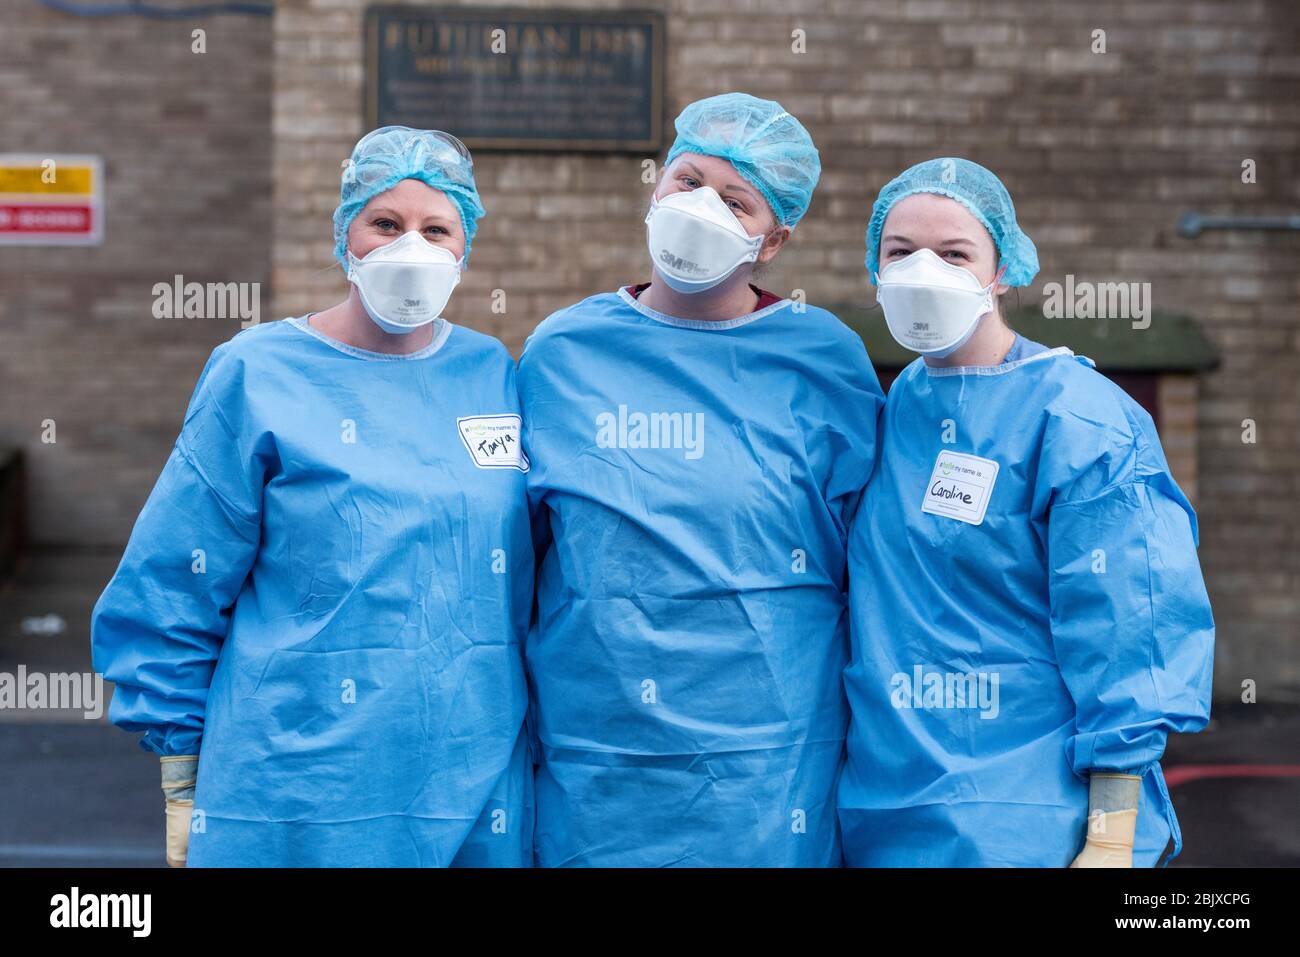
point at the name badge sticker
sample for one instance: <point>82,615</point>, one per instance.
<point>493,441</point>
<point>960,487</point>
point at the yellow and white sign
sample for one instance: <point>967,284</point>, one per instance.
<point>55,199</point>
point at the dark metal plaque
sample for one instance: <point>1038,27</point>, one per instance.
<point>519,79</point>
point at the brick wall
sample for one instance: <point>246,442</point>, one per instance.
<point>1101,151</point>
<point>186,149</point>
<point>1178,398</point>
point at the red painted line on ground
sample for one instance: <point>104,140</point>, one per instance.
<point>1195,772</point>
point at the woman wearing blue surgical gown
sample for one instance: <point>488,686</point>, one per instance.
<point>321,608</point>
<point>1028,615</point>
<point>699,446</point>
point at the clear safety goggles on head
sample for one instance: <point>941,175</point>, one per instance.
<point>443,149</point>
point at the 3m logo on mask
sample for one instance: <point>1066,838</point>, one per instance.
<point>493,441</point>
<point>681,265</point>
<point>653,430</point>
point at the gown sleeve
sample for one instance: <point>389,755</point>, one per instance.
<point>854,444</point>
<point>157,629</point>
<point>1130,618</point>
<point>540,527</point>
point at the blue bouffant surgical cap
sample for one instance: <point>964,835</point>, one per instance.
<point>980,192</point>
<point>386,156</point>
<point>768,147</point>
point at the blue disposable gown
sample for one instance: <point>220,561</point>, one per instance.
<point>1079,592</point>
<point>325,597</point>
<point>691,616</point>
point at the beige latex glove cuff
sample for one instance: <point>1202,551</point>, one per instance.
<point>179,774</point>
<point>1110,832</point>
<point>179,814</point>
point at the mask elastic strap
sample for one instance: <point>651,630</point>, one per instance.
<point>990,296</point>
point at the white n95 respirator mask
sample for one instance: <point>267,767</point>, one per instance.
<point>695,241</point>
<point>405,284</point>
<point>932,307</point>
